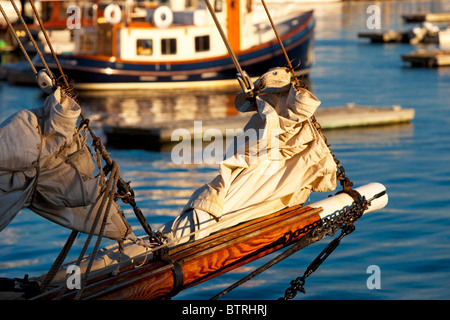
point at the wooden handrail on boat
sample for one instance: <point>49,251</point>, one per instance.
<point>206,258</point>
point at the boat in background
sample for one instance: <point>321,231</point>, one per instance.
<point>425,33</point>
<point>428,58</point>
<point>138,47</point>
<point>10,12</point>
<point>53,14</point>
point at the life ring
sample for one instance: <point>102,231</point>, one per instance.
<point>112,13</point>
<point>162,17</point>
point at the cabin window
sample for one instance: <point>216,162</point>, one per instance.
<point>202,43</point>
<point>144,47</point>
<point>87,43</point>
<point>218,6</point>
<point>169,46</point>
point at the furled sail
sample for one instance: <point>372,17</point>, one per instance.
<point>284,160</point>
<point>45,166</point>
<point>276,162</point>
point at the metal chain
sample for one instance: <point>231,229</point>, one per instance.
<point>287,238</point>
<point>344,220</point>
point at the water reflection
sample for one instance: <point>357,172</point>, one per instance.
<point>143,108</point>
<point>413,226</point>
<point>377,135</point>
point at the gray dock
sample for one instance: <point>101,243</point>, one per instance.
<point>17,73</point>
<point>155,136</point>
<point>428,58</point>
<point>430,17</point>
<point>386,36</point>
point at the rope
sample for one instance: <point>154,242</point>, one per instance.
<point>107,194</point>
<point>291,69</point>
<point>341,176</point>
<point>31,39</point>
<point>110,197</point>
<point>243,78</point>
<point>58,262</point>
<point>11,28</point>
<point>127,194</point>
<point>224,37</point>
<point>47,39</point>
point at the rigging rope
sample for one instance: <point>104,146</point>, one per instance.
<point>58,262</point>
<point>11,28</point>
<point>47,39</point>
<point>107,196</point>
<point>291,69</point>
<point>32,39</point>
<point>243,78</point>
<point>127,194</point>
<point>121,189</point>
<point>125,191</point>
<point>346,223</point>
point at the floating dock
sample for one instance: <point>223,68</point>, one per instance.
<point>425,34</point>
<point>17,73</point>
<point>155,136</point>
<point>386,36</point>
<point>430,17</point>
<point>430,59</point>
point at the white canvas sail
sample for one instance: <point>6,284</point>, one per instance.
<point>45,166</point>
<point>281,162</point>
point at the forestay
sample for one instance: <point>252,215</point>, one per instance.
<point>46,166</point>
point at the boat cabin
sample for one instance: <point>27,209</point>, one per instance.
<point>168,33</point>
<point>157,34</point>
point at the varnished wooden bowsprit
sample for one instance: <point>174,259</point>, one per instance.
<point>206,258</point>
<point>189,264</point>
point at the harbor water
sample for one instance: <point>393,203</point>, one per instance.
<point>407,242</point>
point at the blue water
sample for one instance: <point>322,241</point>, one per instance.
<point>409,240</point>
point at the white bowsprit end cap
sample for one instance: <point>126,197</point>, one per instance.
<point>339,201</point>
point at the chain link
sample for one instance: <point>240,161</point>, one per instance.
<point>344,220</point>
